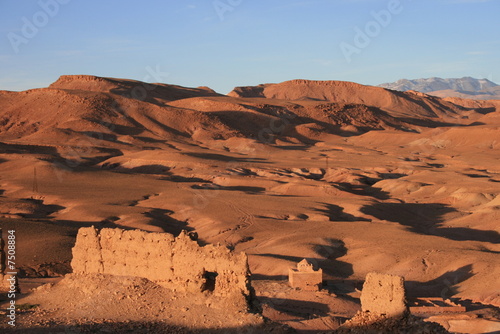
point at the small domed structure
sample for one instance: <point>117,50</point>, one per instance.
<point>305,276</point>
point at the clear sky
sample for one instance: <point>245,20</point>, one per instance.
<point>228,43</point>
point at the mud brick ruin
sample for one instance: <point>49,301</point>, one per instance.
<point>435,305</point>
<point>384,295</point>
<point>177,263</point>
<point>305,277</point>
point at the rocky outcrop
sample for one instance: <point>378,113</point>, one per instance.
<point>177,263</point>
<point>249,91</point>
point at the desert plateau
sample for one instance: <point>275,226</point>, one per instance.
<point>157,208</point>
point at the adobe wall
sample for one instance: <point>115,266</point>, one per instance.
<point>310,281</point>
<point>176,263</point>
<point>383,294</point>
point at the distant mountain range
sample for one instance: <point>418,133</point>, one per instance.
<point>466,87</point>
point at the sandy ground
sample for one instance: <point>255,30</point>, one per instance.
<point>422,204</point>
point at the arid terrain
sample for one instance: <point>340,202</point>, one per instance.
<point>355,178</point>
<point>467,87</point>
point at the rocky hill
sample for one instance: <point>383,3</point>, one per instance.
<point>434,84</point>
<point>397,104</point>
<point>466,87</point>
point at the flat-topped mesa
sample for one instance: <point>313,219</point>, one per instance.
<point>332,91</point>
<point>91,83</point>
<point>327,83</point>
<point>143,91</point>
<point>277,90</point>
<point>177,263</point>
<point>76,80</point>
<point>399,104</point>
<point>79,77</point>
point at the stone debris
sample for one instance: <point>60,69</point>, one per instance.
<point>366,322</point>
<point>435,306</point>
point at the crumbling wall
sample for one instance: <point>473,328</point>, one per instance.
<point>176,263</point>
<point>306,281</point>
<point>384,294</point>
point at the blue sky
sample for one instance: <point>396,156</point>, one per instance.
<point>228,43</point>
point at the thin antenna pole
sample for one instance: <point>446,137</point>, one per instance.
<point>35,182</point>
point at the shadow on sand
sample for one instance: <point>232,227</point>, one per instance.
<point>298,308</point>
<point>226,158</point>
<point>363,190</point>
<point>427,219</point>
<point>330,265</point>
<point>444,286</point>
<point>336,213</point>
<point>246,189</point>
